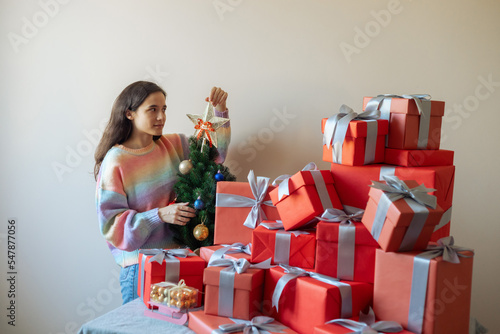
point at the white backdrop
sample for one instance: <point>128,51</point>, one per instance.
<point>286,65</point>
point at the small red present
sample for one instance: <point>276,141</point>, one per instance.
<point>418,158</point>
<point>345,249</point>
<point>414,120</point>
<point>168,265</point>
<point>234,251</point>
<point>303,299</point>
<point>304,196</point>
<point>296,248</point>
<point>352,139</point>
<point>240,207</point>
<point>427,292</point>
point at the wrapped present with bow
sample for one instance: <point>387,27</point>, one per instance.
<point>364,324</point>
<point>302,299</point>
<point>168,265</point>
<point>353,185</point>
<point>414,120</point>
<point>240,207</point>
<point>202,323</point>
<point>301,197</point>
<point>354,139</point>
<point>401,215</point>
<point>345,249</point>
<point>234,251</point>
<point>296,248</point>
<point>427,292</point>
<point>234,288</point>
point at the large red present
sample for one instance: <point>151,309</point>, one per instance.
<point>234,251</point>
<point>202,323</point>
<point>296,248</point>
<point>425,292</point>
<point>345,249</point>
<point>240,207</point>
<point>233,288</point>
<point>168,265</point>
<point>353,184</point>
<point>401,215</point>
<point>418,158</point>
<point>304,196</point>
<point>414,120</point>
<point>360,142</point>
<point>308,301</point>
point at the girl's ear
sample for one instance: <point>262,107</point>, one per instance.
<point>129,115</point>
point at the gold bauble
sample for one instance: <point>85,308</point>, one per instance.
<point>185,166</point>
<point>200,232</point>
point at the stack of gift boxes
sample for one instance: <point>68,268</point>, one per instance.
<point>315,251</point>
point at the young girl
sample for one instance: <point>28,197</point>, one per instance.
<point>136,168</point>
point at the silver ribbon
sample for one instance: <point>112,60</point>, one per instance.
<point>226,280</point>
<point>445,247</point>
<point>292,273</point>
<point>282,242</point>
<point>368,325</point>
<point>423,102</point>
<point>172,264</point>
<point>237,247</point>
<point>346,240</point>
<point>282,180</point>
<point>336,130</point>
<point>258,325</point>
<point>259,188</point>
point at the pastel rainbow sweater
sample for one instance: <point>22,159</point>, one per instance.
<point>133,183</point>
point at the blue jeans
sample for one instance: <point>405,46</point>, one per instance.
<point>128,282</point>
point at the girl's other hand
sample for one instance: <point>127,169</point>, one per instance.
<point>178,213</point>
<point>218,98</point>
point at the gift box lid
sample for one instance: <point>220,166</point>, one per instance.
<point>408,106</point>
<point>239,188</point>
<point>418,158</point>
<point>399,212</point>
<point>359,129</point>
<point>248,280</point>
<point>329,232</point>
<point>301,179</point>
<point>191,265</point>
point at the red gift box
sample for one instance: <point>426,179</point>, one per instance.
<point>339,329</point>
<point>247,293</point>
<point>447,295</point>
<point>202,323</point>
<point>328,249</point>
<point>364,143</point>
<point>172,269</point>
<point>307,302</point>
<point>207,252</point>
<point>353,184</point>
<point>296,248</point>
<point>229,218</point>
<point>405,125</point>
<point>418,158</point>
<point>400,223</point>
<point>309,194</point>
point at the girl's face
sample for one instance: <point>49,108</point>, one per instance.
<point>150,117</point>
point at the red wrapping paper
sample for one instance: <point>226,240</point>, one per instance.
<point>447,306</point>
<point>418,158</point>
<point>302,247</point>
<point>202,323</point>
<point>306,302</point>
<point>327,235</point>
<point>338,329</point>
<point>303,204</point>
<point>191,271</point>
<point>352,184</point>
<point>404,123</point>
<point>229,221</point>
<point>353,148</point>
<point>206,253</point>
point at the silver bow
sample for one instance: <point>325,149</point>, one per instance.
<point>445,247</point>
<point>241,265</point>
<point>368,325</point>
<point>333,215</point>
<point>258,325</point>
<point>282,180</point>
<point>374,103</point>
<point>237,247</point>
<point>159,255</point>
<point>397,189</point>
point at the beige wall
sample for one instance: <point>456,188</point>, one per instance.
<point>286,64</point>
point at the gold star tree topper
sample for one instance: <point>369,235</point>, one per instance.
<point>207,124</point>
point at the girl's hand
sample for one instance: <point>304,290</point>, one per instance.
<point>218,98</point>
<point>178,213</point>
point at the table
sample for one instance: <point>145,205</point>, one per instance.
<point>130,319</point>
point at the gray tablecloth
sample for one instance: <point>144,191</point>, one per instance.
<point>130,319</point>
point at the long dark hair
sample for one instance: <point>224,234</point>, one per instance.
<point>119,126</point>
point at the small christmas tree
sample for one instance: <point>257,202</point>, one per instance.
<point>198,181</point>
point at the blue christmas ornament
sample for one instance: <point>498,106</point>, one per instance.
<point>199,204</point>
<point>219,176</point>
